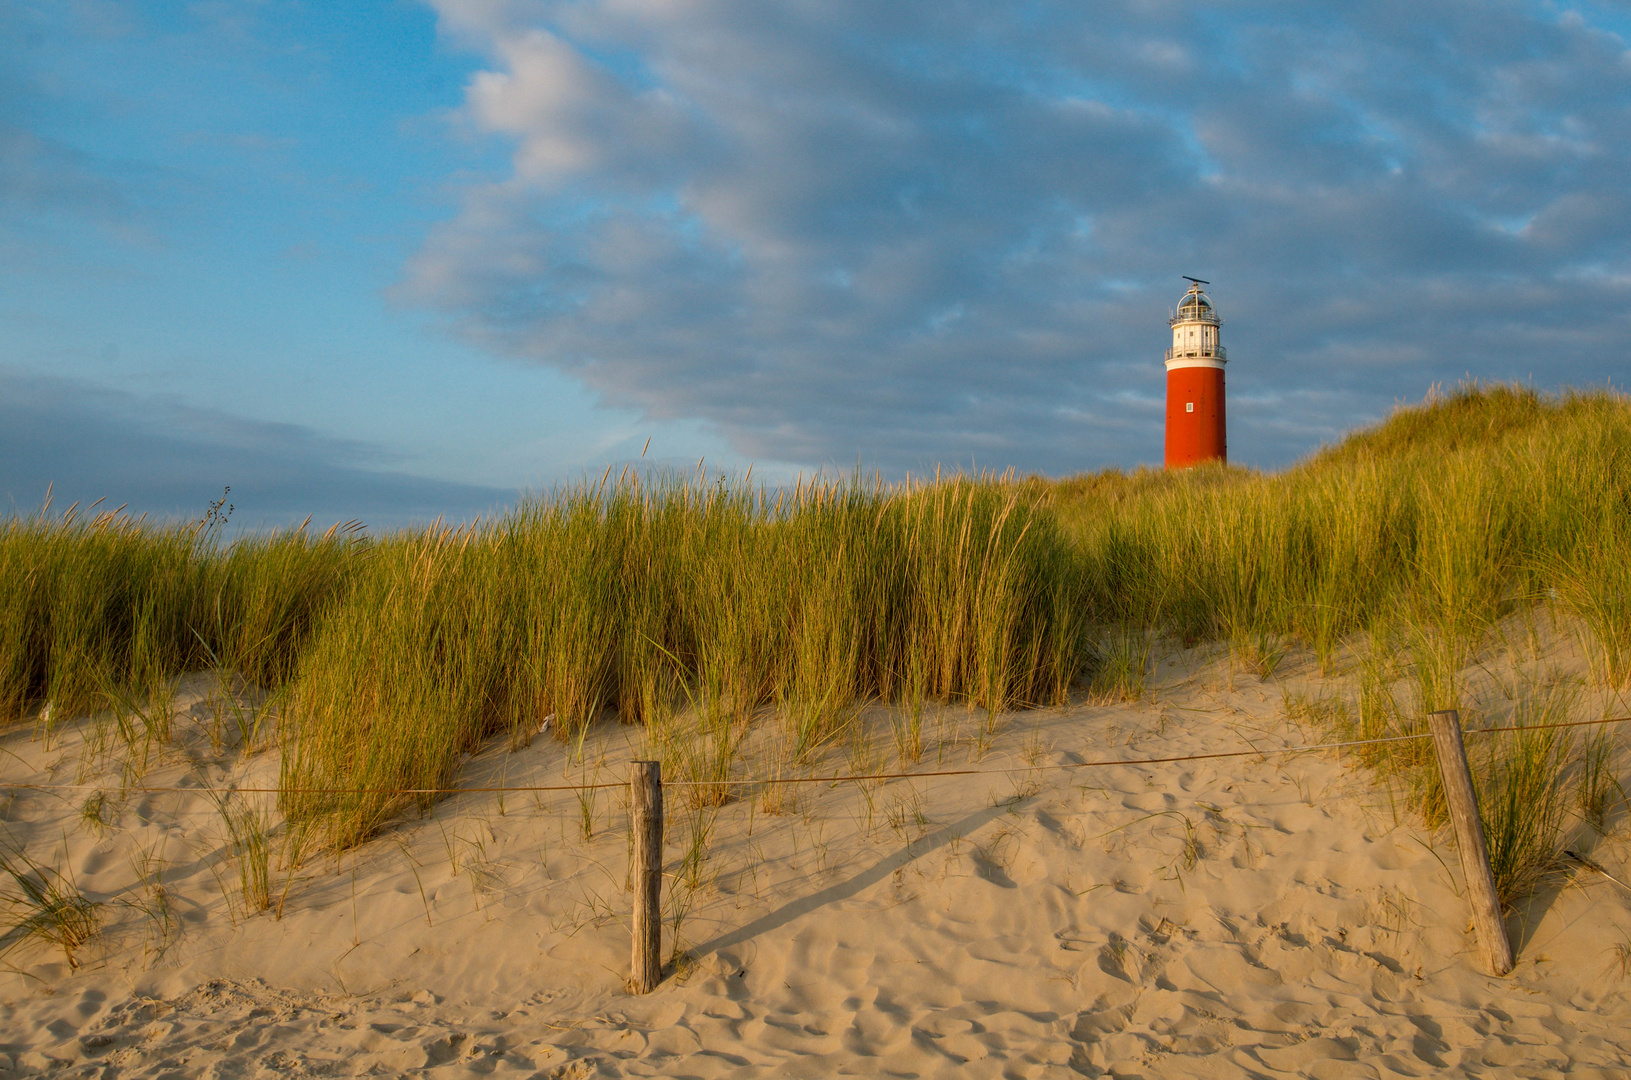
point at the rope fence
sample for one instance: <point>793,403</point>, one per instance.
<point>1002,770</point>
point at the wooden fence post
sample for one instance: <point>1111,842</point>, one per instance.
<point>1469,839</point>
<point>646,805</point>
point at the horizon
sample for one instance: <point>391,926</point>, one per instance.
<point>616,474</point>
<point>406,260</point>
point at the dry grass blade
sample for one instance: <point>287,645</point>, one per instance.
<point>1596,867</point>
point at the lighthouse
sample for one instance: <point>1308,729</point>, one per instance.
<point>1195,431</point>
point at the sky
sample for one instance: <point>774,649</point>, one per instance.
<point>393,260</point>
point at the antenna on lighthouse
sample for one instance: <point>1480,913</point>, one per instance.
<point>1196,280</point>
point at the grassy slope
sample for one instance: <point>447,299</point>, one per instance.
<point>1410,539</point>
<point>1444,517</point>
<point>398,653</point>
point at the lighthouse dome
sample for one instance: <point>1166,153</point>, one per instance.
<point>1196,306</point>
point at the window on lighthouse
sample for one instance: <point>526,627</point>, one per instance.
<point>1189,406</point>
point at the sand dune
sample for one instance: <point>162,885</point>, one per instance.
<point>1253,916</point>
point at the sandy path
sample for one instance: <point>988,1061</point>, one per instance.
<point>1239,917</point>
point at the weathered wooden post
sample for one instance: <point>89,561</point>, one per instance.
<point>646,805</point>
<point>1469,839</point>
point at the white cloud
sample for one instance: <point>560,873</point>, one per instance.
<point>571,118</point>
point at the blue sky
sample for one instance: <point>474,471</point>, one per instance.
<point>393,259</point>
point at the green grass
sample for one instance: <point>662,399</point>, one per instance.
<point>1441,519</point>
<point>99,611</point>
<point>699,607</point>
<point>646,599</point>
<point>639,599</point>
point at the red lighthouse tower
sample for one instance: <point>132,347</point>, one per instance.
<point>1195,430</point>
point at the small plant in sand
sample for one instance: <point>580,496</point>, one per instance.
<point>698,749</point>
<point>141,727</point>
<point>249,832</point>
<point>484,874</point>
<point>1257,650</point>
<point>1439,658</point>
<point>692,870</point>
<point>775,796</point>
<point>907,717</point>
<point>1120,665</point>
<point>860,754</point>
<point>906,725</point>
<point>1598,789</point>
<point>1619,957</point>
<point>45,904</point>
<point>587,794</point>
<point>1118,957</point>
<point>1022,786</point>
<point>905,814</point>
<point>1523,797</point>
<point>868,811</point>
<point>250,722</point>
<point>152,897</point>
<point>94,812</point>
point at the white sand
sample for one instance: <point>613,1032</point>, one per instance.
<point>1236,917</point>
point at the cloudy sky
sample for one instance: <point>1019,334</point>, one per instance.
<point>389,259</point>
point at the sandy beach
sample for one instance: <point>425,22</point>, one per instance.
<point>1236,917</point>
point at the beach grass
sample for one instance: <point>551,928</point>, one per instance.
<point>44,904</point>
<point>644,599</point>
<point>698,606</point>
<point>1402,548</point>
